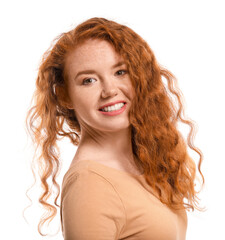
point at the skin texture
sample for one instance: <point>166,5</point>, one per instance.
<point>106,139</point>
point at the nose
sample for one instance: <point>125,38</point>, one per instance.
<point>108,89</point>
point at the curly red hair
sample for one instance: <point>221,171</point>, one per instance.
<point>157,144</point>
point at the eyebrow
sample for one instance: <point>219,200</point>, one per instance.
<point>92,71</point>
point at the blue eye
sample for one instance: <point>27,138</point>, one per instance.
<point>86,81</point>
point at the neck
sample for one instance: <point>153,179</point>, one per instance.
<point>107,146</point>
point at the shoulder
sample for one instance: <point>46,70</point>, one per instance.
<point>91,187</point>
<point>84,175</point>
<point>89,200</point>
<point>83,179</point>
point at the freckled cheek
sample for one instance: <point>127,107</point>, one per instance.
<point>80,104</point>
<point>81,110</point>
<point>130,91</point>
<point>85,101</point>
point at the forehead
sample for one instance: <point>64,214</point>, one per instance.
<point>93,51</point>
<point>94,44</point>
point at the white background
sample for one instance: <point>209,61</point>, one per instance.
<point>187,37</point>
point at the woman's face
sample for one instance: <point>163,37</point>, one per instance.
<point>97,75</point>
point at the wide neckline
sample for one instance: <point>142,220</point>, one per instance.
<point>107,167</point>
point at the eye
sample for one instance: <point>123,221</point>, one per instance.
<point>87,81</point>
<point>121,72</point>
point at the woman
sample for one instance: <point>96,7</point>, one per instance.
<point>131,173</point>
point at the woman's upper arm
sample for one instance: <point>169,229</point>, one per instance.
<point>92,209</point>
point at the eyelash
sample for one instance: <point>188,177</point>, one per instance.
<point>124,72</point>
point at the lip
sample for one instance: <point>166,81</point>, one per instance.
<point>112,103</point>
<point>116,112</point>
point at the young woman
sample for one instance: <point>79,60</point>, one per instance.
<point>101,86</point>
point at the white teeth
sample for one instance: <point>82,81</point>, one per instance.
<point>113,108</point>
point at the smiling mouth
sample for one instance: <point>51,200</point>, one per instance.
<point>114,112</point>
<point>118,107</point>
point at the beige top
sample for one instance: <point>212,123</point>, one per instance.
<point>102,203</point>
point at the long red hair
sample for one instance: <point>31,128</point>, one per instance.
<point>160,148</point>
